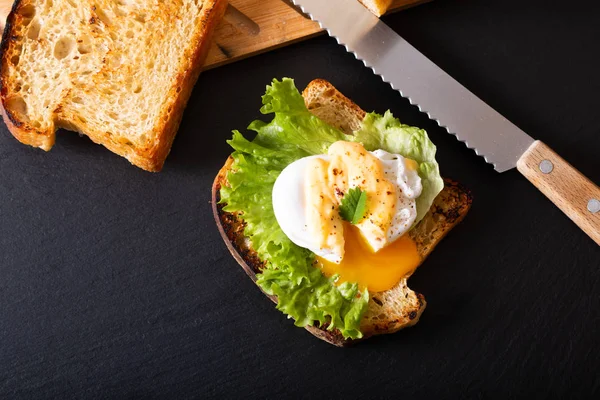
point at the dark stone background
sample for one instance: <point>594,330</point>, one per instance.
<point>114,282</point>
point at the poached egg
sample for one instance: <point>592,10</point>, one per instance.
<point>376,252</point>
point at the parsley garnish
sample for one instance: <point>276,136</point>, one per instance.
<point>353,205</point>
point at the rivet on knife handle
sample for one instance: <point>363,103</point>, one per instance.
<point>568,189</point>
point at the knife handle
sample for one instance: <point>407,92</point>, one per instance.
<point>569,189</point>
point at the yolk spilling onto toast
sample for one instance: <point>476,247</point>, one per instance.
<point>375,271</point>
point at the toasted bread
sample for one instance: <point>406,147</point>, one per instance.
<point>388,311</point>
<point>120,72</point>
<point>377,7</point>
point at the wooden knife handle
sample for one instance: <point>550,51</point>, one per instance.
<point>569,190</point>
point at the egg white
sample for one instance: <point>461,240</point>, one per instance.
<point>408,187</point>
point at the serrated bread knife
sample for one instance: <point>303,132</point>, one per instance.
<point>446,101</point>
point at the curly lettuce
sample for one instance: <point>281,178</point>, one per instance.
<point>388,133</point>
<point>303,292</point>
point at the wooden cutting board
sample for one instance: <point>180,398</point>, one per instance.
<point>252,27</point>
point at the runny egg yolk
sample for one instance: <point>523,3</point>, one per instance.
<point>358,253</point>
<point>376,271</point>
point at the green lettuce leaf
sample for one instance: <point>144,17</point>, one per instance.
<point>388,133</point>
<point>303,292</point>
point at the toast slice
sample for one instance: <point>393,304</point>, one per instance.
<point>377,7</point>
<point>387,311</point>
<point>120,72</point>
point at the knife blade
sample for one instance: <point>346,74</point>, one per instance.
<point>455,108</point>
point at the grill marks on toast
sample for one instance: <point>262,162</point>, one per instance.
<point>120,72</point>
<point>387,311</point>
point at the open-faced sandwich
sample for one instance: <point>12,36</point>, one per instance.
<point>330,210</point>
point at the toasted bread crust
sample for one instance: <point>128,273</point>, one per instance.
<point>377,7</point>
<point>326,102</point>
<point>21,130</point>
<point>150,157</point>
<point>157,154</point>
<point>449,208</point>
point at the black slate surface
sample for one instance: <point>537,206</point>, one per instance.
<point>114,282</point>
